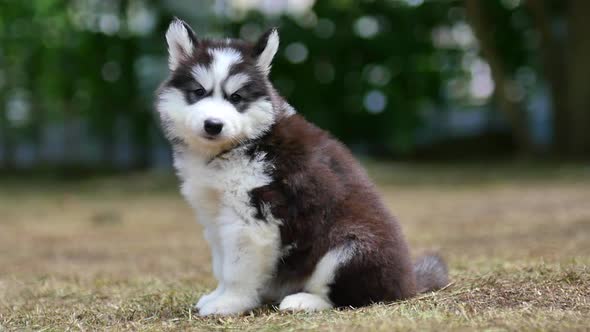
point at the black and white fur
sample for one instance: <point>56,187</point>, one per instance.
<point>290,216</point>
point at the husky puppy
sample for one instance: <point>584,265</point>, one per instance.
<point>290,216</point>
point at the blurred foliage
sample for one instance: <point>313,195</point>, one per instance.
<point>371,72</point>
<point>62,62</point>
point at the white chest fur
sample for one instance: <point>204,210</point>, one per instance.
<point>224,183</point>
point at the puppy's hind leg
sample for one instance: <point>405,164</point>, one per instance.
<point>304,302</point>
<point>316,289</point>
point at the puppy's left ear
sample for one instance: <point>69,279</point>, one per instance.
<point>265,49</point>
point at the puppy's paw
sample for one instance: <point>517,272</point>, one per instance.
<point>304,302</point>
<point>228,304</point>
<point>208,297</point>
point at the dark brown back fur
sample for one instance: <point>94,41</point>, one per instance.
<point>326,200</point>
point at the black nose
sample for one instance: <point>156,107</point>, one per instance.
<point>213,126</point>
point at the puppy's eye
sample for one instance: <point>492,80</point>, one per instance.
<point>235,98</point>
<point>199,92</point>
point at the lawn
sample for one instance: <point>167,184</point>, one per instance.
<point>124,252</point>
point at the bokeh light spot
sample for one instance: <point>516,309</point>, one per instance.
<point>296,52</point>
<point>375,101</point>
<point>366,27</point>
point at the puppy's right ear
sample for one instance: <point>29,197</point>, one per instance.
<point>182,42</point>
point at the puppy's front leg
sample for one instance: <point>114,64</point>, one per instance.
<point>213,238</point>
<point>250,251</point>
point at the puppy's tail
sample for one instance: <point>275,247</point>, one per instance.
<point>431,273</point>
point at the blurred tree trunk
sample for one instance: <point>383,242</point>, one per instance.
<point>578,77</point>
<point>566,63</point>
<point>512,108</point>
<point>553,60</point>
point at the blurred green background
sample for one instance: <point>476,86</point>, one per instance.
<point>403,79</point>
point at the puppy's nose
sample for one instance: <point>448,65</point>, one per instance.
<point>213,126</point>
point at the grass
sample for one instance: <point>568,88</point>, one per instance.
<point>124,253</point>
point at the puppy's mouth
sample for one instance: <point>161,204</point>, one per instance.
<point>210,137</point>
<point>213,139</point>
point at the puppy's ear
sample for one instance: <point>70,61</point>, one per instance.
<point>265,49</point>
<point>181,40</point>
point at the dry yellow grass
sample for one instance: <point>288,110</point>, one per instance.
<point>125,253</point>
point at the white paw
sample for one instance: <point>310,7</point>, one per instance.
<point>209,297</point>
<point>304,302</point>
<point>228,304</point>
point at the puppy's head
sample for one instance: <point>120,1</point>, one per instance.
<point>218,93</point>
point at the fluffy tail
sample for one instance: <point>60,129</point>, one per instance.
<point>431,273</point>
